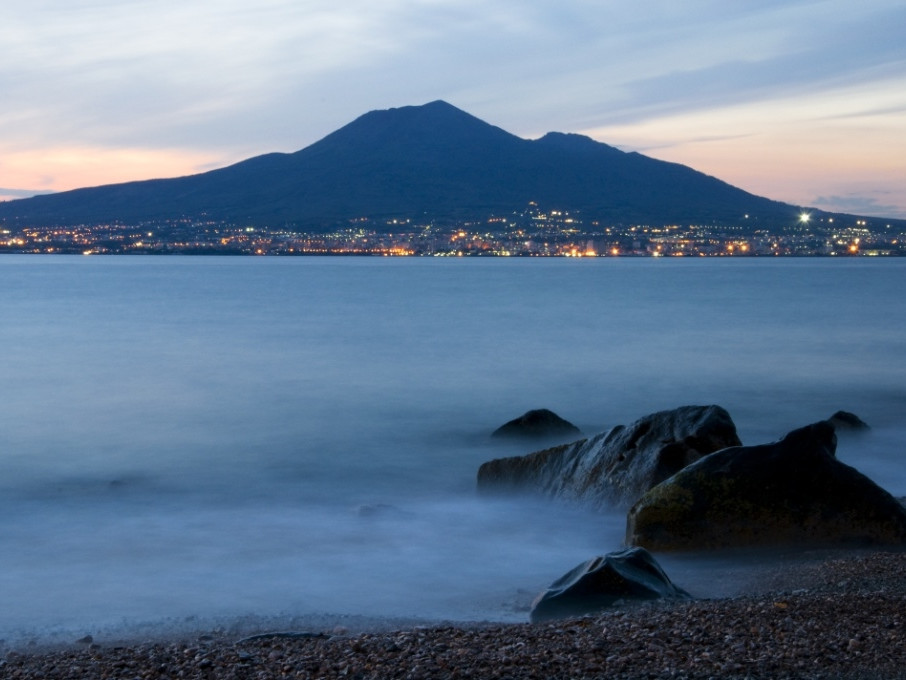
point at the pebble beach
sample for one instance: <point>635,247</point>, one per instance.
<point>840,617</point>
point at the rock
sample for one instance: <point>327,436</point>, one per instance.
<point>382,511</point>
<point>844,420</point>
<point>539,424</point>
<point>618,466</point>
<point>791,492</point>
<point>631,574</point>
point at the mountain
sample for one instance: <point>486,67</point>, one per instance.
<point>432,161</point>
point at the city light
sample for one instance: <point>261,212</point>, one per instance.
<point>560,233</point>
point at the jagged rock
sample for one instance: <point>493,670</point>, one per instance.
<point>791,492</point>
<point>618,466</point>
<point>631,574</point>
<point>846,421</point>
<point>539,424</point>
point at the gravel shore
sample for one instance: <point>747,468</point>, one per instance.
<point>839,618</point>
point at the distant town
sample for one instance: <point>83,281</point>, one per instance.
<point>533,232</point>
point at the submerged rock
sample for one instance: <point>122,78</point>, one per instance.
<point>539,424</point>
<point>631,574</point>
<point>382,511</point>
<point>791,492</point>
<point>618,466</point>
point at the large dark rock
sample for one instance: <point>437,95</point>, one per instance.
<point>791,492</point>
<point>618,466</point>
<point>539,424</point>
<point>631,574</point>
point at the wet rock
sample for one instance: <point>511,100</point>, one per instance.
<point>791,492</point>
<point>595,585</point>
<point>844,421</point>
<point>540,424</point>
<point>618,466</point>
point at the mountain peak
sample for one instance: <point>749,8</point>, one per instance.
<point>432,125</point>
<point>437,112</point>
<point>436,108</point>
<point>438,105</point>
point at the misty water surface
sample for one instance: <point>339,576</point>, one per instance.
<point>189,441</point>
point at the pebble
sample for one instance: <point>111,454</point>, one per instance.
<point>816,630</point>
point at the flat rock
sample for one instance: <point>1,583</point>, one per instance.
<point>617,466</point>
<point>602,582</point>
<point>791,492</point>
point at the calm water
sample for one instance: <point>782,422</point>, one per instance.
<point>187,441</point>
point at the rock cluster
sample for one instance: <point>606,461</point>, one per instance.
<point>617,466</point>
<point>693,486</point>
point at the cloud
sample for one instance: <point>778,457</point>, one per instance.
<point>860,205</point>
<point>792,59</point>
<point>873,109</point>
<point>61,168</point>
<point>112,71</point>
<point>701,139</point>
<point>221,80</point>
<point>11,194</point>
<point>211,72</point>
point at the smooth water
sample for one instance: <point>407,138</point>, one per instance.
<point>190,441</point>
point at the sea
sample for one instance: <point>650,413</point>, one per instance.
<point>241,444</point>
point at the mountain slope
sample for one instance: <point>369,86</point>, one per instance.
<point>432,160</point>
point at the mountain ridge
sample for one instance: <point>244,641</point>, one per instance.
<point>432,161</point>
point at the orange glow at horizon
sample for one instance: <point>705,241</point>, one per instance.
<point>791,149</point>
<point>65,168</point>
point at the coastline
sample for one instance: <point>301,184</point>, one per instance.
<point>841,617</point>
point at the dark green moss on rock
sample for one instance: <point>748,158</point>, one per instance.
<point>792,492</point>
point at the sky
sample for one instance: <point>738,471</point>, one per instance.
<point>802,101</point>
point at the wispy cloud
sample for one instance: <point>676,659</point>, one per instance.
<point>21,193</point>
<point>798,61</point>
<point>860,205</point>
<point>219,80</point>
<point>868,112</point>
<point>14,194</point>
<point>701,139</point>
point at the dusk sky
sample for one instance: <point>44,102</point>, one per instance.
<point>800,101</point>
